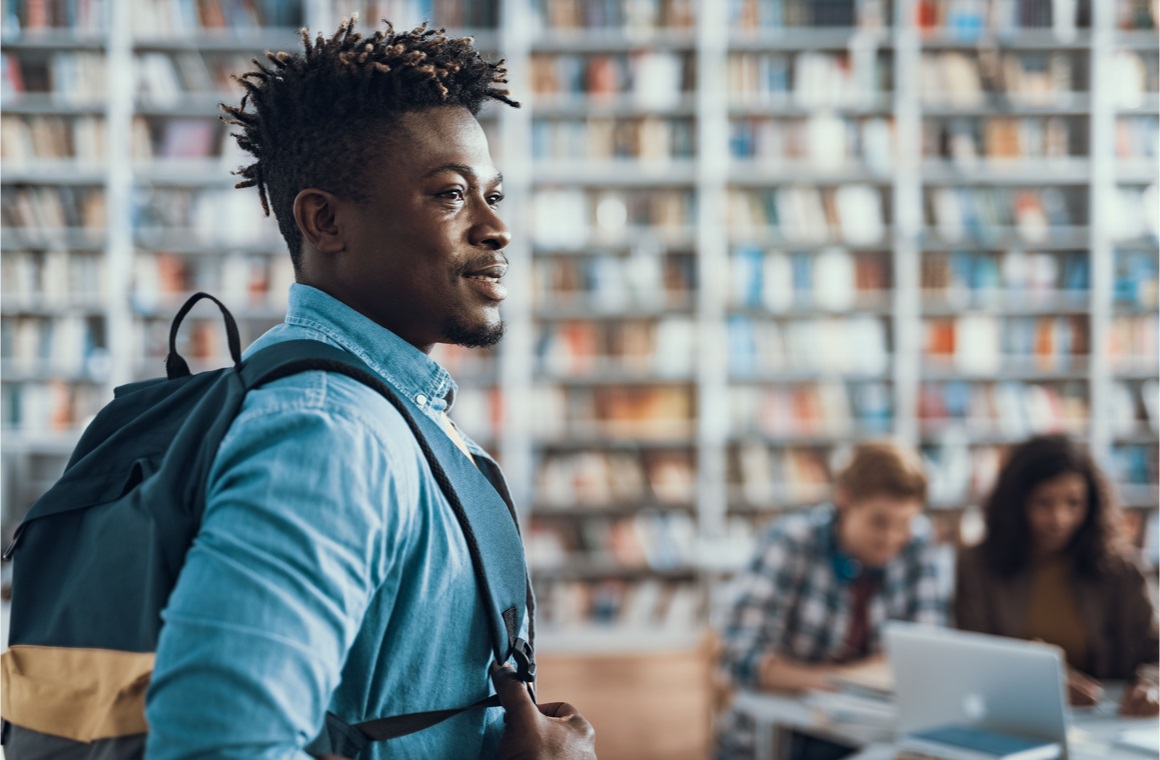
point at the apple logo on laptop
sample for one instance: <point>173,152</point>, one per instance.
<point>974,707</point>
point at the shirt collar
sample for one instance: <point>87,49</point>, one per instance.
<point>411,372</point>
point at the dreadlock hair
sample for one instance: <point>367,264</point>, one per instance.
<point>307,118</point>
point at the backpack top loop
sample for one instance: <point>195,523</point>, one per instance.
<point>175,365</point>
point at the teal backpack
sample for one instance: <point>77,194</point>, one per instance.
<point>96,557</point>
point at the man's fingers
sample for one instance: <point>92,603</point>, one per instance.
<point>558,710</point>
<point>513,693</point>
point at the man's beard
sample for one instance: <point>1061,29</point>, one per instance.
<point>457,331</point>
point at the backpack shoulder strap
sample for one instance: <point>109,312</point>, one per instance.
<point>488,527</point>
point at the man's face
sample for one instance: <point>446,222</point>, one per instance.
<point>423,254</point>
<point>874,529</point>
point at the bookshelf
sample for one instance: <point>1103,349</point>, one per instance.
<point>746,235</point>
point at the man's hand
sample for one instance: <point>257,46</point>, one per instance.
<point>553,731</point>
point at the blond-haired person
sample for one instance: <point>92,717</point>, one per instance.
<point>812,600</point>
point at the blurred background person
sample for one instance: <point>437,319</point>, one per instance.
<point>811,603</point>
<point>1053,567</point>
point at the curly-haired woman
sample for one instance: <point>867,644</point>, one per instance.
<point>1053,567</point>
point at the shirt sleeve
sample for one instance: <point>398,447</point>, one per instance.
<point>758,618</point>
<point>273,591</point>
<point>931,583</point>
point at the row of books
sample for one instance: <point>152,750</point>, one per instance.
<point>48,407</point>
<point>1132,78</point>
<point>1137,279</point>
<point>1134,342</point>
<point>1027,77</point>
<point>979,343</point>
<point>634,17</point>
<point>662,413</point>
<point>769,477</point>
<point>405,14</point>
<point>961,474</point>
<point>1130,212</point>
<point>959,214</point>
<point>1017,276</point>
<point>649,605</point>
<point>164,17</point>
<point>651,78</point>
<point>52,279</point>
<point>1135,465</point>
<point>52,137</point>
<point>822,141</point>
<point>1136,14</point>
<point>995,139</point>
<point>854,213</point>
<point>164,79</point>
<point>764,14</point>
<point>185,138</point>
<point>595,480</point>
<point>52,207</point>
<point>569,216</point>
<point>1137,137</point>
<point>854,345</point>
<point>71,76</point>
<point>972,19</point>
<point>813,79</point>
<point>832,278</point>
<point>88,16</point>
<point>212,217</point>
<point>606,283</point>
<point>656,540</point>
<point>648,138</point>
<point>825,407</point>
<point>65,344</point>
<point>1008,408</point>
<point>576,348</point>
<point>1133,407</point>
<point>163,280</point>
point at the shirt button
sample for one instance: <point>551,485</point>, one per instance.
<point>420,399</point>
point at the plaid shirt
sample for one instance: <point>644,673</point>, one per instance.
<point>789,601</point>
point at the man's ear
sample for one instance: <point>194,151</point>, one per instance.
<point>316,213</point>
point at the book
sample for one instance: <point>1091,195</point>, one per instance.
<point>962,742</point>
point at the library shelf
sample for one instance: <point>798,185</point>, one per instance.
<point>758,173</point>
<point>784,105</point>
<point>612,372</point>
<point>249,41</point>
<point>51,40</point>
<point>622,173</point>
<point>49,172</point>
<point>793,39</point>
<point>623,106</point>
<point>612,40</point>
<point>48,104</point>
<point>1024,39</point>
<point>701,434</point>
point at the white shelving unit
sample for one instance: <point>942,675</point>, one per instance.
<point>675,261</point>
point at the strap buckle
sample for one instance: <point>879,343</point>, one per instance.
<point>525,659</point>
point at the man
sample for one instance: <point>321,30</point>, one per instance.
<point>330,572</point>
<point>812,600</point>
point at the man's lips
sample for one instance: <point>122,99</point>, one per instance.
<point>486,278</point>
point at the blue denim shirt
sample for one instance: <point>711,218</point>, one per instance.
<point>329,572</point>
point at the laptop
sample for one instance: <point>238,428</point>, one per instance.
<point>944,677</point>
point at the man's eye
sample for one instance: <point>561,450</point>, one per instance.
<point>455,195</point>
<point>495,198</point>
